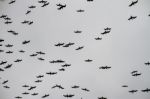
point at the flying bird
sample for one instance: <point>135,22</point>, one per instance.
<point>32,87</point>
<point>26,42</point>
<point>18,60</point>
<point>104,67</point>
<point>77,31</point>
<point>133,3</point>
<point>38,81</point>
<point>61,6</point>
<point>45,4</point>
<point>102,97</point>
<point>40,76</point>
<point>3,62</point>
<point>69,95</point>
<point>51,73</point>
<point>59,44</point>
<point>133,91</point>
<point>25,93</point>
<point>75,86</point>
<point>46,95</point>
<point>12,1</point>
<point>32,6</point>
<point>34,94</point>
<point>66,65</point>
<point>147,63</point>
<point>58,86</point>
<point>80,10</point>
<point>132,18</point>
<point>79,48</point>
<point>28,11</point>
<point>88,60</point>
<point>98,38</point>
<point>146,90</point>
<point>4,82</point>
<point>8,66</point>
<point>85,89</point>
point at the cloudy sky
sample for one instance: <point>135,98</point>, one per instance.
<point>125,49</point>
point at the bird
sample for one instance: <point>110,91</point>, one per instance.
<point>79,48</point>
<point>32,87</point>
<point>102,97</point>
<point>147,63</point>
<point>18,97</point>
<point>104,67</point>
<point>133,3</point>
<point>66,65</point>
<point>1,40</point>
<point>12,32</point>
<point>26,42</point>
<point>85,89</point>
<point>25,93</point>
<point>135,71</point>
<point>8,66</point>
<point>124,85</point>
<point>69,95</point>
<point>58,86</point>
<point>75,86</point>
<point>3,62</point>
<point>40,52</point>
<point>133,91</point>
<point>59,44</point>
<point>12,1</point>
<point>146,90</point>
<point>51,73</point>
<point>46,95</point>
<point>18,60</point>
<point>80,10</point>
<point>136,74</point>
<point>9,52</point>
<point>98,38</point>
<point>25,22</point>
<point>105,32</point>
<point>40,58</point>
<point>77,31</point>
<point>25,86</point>
<point>3,16</point>
<point>30,22</point>
<point>4,82</point>
<point>8,45</point>
<point>88,60</point>
<point>42,1</point>
<point>61,6</point>
<point>28,11</point>
<point>34,94</point>
<point>132,18</point>
<point>45,4</point>
<point>32,6</point>
<point>8,22</point>
<point>21,51</point>
<point>40,76</point>
<point>33,55</point>
<point>7,87</point>
<point>38,81</point>
<point>1,70</point>
<point>61,69</point>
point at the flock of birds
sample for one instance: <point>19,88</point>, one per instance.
<point>5,65</point>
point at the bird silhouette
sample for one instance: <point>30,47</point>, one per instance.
<point>61,6</point>
<point>46,95</point>
<point>146,90</point>
<point>69,95</point>
<point>12,1</point>
<point>58,86</point>
<point>132,18</point>
<point>133,3</point>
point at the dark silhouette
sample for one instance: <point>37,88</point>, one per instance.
<point>69,95</point>
<point>42,1</point>
<point>46,95</point>
<point>3,16</point>
<point>133,3</point>
<point>18,60</point>
<point>59,44</point>
<point>31,7</point>
<point>51,73</point>
<point>8,45</point>
<point>104,67</point>
<point>80,10</point>
<point>8,22</point>
<point>136,74</point>
<point>25,86</point>
<point>61,69</point>
<point>102,97</point>
<point>75,86</point>
<point>146,90</point>
<point>42,59</point>
<point>133,91</point>
<point>28,11</point>
<point>40,76</point>
<point>25,22</point>
<point>85,89</point>
<point>66,65</point>
<point>106,32</point>
<point>98,38</point>
<point>21,51</point>
<point>42,53</point>
<point>61,6</point>
<point>12,32</point>
<point>34,94</point>
<point>4,82</point>
<point>124,85</point>
<point>3,62</point>
<point>79,48</point>
<point>32,87</point>
<point>45,4</point>
<point>147,63</point>
<point>9,52</point>
<point>12,1</point>
<point>1,70</point>
<point>33,55</point>
<point>26,42</point>
<point>18,97</point>
<point>88,60</point>
<point>132,18</point>
<point>7,87</point>
<point>58,86</point>
<point>38,81</point>
<point>77,31</point>
<point>8,66</point>
<point>25,93</point>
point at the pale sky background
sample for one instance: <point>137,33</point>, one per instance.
<point>126,48</point>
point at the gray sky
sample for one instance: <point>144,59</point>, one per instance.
<point>124,49</point>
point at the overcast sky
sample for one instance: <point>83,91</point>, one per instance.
<point>125,49</point>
